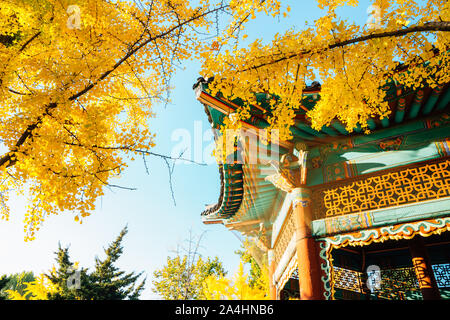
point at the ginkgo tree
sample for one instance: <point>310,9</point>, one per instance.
<point>78,79</point>
<point>239,287</point>
<point>405,41</point>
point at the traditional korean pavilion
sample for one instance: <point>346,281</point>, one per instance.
<point>344,215</point>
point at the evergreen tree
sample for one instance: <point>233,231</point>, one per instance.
<point>3,282</point>
<point>60,276</point>
<point>106,282</point>
<point>16,282</point>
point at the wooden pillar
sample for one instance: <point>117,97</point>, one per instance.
<point>311,287</point>
<point>272,287</point>
<point>422,267</point>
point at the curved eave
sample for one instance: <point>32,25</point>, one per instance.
<point>406,105</point>
<point>231,192</point>
<point>231,188</point>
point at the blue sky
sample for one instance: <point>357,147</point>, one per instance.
<point>155,225</point>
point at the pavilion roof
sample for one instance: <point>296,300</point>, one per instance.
<point>245,196</point>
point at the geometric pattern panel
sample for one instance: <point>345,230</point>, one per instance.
<point>400,279</point>
<point>284,237</point>
<point>442,274</point>
<point>423,228</point>
<point>347,279</point>
<point>391,189</point>
<point>394,282</point>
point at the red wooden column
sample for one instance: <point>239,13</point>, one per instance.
<point>272,288</point>
<point>311,287</point>
<point>422,267</point>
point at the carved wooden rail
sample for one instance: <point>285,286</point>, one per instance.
<point>387,188</point>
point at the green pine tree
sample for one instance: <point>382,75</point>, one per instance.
<point>16,282</point>
<point>3,286</point>
<point>62,273</point>
<point>106,282</point>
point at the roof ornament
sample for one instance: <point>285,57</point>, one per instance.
<point>301,149</point>
<point>200,84</point>
<point>290,171</point>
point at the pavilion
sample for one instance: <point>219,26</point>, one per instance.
<point>343,215</point>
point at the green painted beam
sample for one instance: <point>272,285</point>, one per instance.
<point>267,188</point>
<point>417,103</point>
<point>400,114</point>
<point>296,132</point>
<point>267,197</point>
<point>339,127</point>
<point>304,127</point>
<point>329,131</point>
<point>445,100</point>
<point>385,122</point>
<point>371,124</point>
<point>431,102</point>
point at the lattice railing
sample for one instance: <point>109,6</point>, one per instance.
<point>347,279</point>
<point>395,283</point>
<point>442,274</point>
<point>389,189</point>
<point>285,236</point>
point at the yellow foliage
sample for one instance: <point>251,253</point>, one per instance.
<point>237,288</point>
<point>35,290</point>
<point>78,80</point>
<point>351,64</point>
<point>77,83</point>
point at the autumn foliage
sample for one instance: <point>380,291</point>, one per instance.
<point>78,79</point>
<point>238,287</point>
<point>404,41</point>
<point>77,83</point>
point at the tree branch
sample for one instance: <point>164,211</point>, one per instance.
<point>8,158</point>
<point>427,27</point>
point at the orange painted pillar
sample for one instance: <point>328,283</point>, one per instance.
<point>422,267</point>
<point>311,287</point>
<point>272,287</point>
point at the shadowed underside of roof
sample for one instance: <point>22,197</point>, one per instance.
<point>245,195</point>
